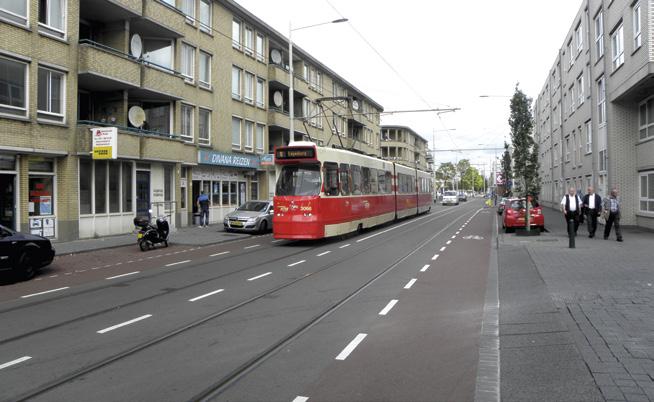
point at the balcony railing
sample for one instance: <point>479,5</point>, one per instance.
<point>133,130</point>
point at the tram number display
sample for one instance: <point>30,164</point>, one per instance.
<point>295,153</point>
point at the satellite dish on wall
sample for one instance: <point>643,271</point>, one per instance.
<point>355,104</point>
<point>136,116</point>
<point>278,99</point>
<point>136,46</point>
<point>276,56</point>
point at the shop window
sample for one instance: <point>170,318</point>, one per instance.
<point>7,162</point>
<point>127,186</point>
<point>254,190</point>
<point>41,196</point>
<point>114,187</point>
<point>225,193</point>
<point>85,186</point>
<point>100,187</point>
<point>233,192</point>
<point>215,194</point>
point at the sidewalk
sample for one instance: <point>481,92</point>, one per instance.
<point>576,324</point>
<point>190,235</point>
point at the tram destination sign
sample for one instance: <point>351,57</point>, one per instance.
<point>295,153</point>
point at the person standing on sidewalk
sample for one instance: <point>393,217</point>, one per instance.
<point>612,215</point>
<point>571,206</point>
<point>593,209</point>
<point>203,206</point>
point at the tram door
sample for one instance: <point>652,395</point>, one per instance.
<point>7,200</point>
<point>142,193</point>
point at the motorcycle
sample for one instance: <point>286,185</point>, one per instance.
<point>149,235</point>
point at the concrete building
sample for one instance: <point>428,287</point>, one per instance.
<point>403,145</point>
<point>195,93</point>
<point>594,117</point>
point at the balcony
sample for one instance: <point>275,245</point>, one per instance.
<point>110,10</point>
<point>277,118</point>
<point>160,82</point>
<point>102,68</point>
<point>278,74</point>
<point>159,20</point>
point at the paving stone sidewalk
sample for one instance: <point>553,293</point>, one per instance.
<point>604,294</point>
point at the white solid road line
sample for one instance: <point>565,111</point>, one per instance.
<point>47,291</point>
<point>410,283</point>
<point>14,362</point>
<point>300,399</point>
<point>443,248</point>
<point>448,242</point>
<point>253,246</point>
<point>435,257</point>
<point>325,253</point>
<point>206,295</point>
<point>277,241</point>
<point>297,263</point>
<point>345,245</point>
<point>143,317</point>
<point>177,263</point>
<point>254,278</point>
<point>351,346</point>
<point>120,276</point>
<point>425,268</point>
<point>217,254</point>
<point>388,307</point>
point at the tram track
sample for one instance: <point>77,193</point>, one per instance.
<point>222,383</point>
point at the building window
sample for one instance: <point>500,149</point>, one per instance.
<point>571,55</point>
<point>261,129</point>
<point>187,122</point>
<point>236,82</point>
<point>617,46</point>
<point>159,52</point>
<point>571,99</point>
<point>204,135</point>
<point>589,137</point>
<point>601,101</point>
<point>567,149</point>
<point>249,87</point>
<point>602,161</point>
<point>51,95</point>
<point>636,15</point>
<point>254,190</point>
<point>205,15</point>
<point>188,8</point>
<point>249,41</point>
<point>52,16</point>
<point>205,69</point>
<point>647,192</point>
<point>128,175</point>
<point>646,119</point>
<point>261,87</point>
<point>580,89</point>
<point>100,180</point>
<point>236,34</point>
<point>41,187</point>
<point>13,84</point>
<point>249,135</point>
<point>579,37</point>
<point>188,62</point>
<point>85,186</point>
<point>260,48</point>
<point>14,10</point>
<point>599,34</point>
<point>236,133</point>
<point>102,183</point>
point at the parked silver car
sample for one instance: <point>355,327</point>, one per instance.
<point>252,216</point>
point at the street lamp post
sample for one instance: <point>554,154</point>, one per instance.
<point>291,106</point>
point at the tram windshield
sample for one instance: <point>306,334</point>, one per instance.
<point>299,180</point>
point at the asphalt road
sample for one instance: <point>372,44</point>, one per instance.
<point>390,314</point>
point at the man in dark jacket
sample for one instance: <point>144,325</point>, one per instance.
<point>612,212</point>
<point>593,209</point>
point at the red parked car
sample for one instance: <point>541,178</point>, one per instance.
<point>514,215</point>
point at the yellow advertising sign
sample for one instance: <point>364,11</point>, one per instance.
<point>105,142</point>
<point>102,152</point>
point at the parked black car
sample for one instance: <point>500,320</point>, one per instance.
<point>21,255</point>
<point>463,196</point>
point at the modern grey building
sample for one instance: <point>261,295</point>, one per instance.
<point>594,117</point>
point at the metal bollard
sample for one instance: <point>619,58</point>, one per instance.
<point>571,233</point>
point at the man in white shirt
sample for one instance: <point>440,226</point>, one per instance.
<point>592,209</point>
<point>571,206</point>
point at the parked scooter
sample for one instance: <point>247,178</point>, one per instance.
<point>150,235</point>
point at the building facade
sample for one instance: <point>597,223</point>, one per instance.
<point>195,93</point>
<point>403,145</point>
<point>594,117</point>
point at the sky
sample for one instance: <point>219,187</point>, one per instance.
<point>424,54</point>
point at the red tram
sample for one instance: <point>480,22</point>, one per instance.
<point>324,192</point>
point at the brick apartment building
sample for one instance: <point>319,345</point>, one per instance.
<point>594,118</point>
<point>401,144</point>
<point>197,91</point>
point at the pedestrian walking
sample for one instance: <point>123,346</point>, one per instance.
<point>203,206</point>
<point>593,209</point>
<point>571,206</point>
<point>612,214</point>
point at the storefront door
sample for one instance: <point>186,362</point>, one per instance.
<point>242,191</point>
<point>7,200</point>
<point>196,194</point>
<point>142,193</point>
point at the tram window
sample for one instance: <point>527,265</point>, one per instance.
<point>389,183</point>
<point>374,189</point>
<point>331,178</point>
<point>356,179</point>
<point>344,173</point>
<point>299,180</point>
<point>365,178</point>
<point>381,181</point>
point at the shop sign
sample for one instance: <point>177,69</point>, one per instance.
<point>267,159</point>
<point>42,227</point>
<point>105,142</point>
<point>231,160</point>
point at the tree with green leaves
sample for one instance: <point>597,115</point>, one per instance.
<point>446,172</point>
<point>524,149</point>
<point>472,180</point>
<point>507,170</point>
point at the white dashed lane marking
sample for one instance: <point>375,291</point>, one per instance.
<point>351,346</point>
<point>435,257</point>
<point>388,307</point>
<point>45,292</point>
<point>345,245</point>
<point>122,275</point>
<point>425,268</point>
<point>14,362</point>
<point>177,263</point>
<point>300,399</point>
<point>206,295</point>
<point>254,278</point>
<point>443,248</point>
<point>297,263</point>
<point>143,317</point>
<point>448,242</point>
<point>253,246</point>
<point>217,254</point>
<point>410,283</point>
<point>324,253</point>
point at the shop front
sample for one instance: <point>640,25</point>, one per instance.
<point>228,179</point>
<point>8,191</point>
